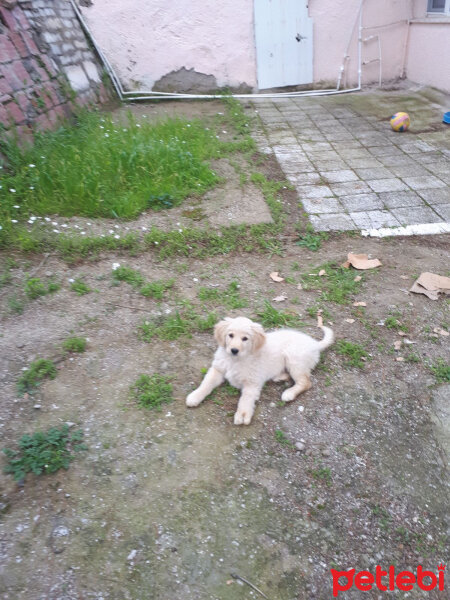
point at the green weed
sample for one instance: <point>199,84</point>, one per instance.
<point>353,353</point>
<point>44,452</point>
<point>156,289</point>
<point>75,344</point>
<point>311,240</point>
<point>15,305</point>
<point>151,391</point>
<point>281,438</point>
<point>322,474</point>
<point>34,288</point>
<point>337,285</point>
<point>441,370</point>
<point>80,288</point>
<point>183,323</point>
<point>393,322</point>
<point>38,370</point>
<point>271,317</point>
<point>130,276</point>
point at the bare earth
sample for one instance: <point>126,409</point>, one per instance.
<point>167,505</point>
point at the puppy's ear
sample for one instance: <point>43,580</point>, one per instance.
<point>258,337</point>
<point>220,331</point>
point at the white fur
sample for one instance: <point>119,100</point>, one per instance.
<point>260,357</point>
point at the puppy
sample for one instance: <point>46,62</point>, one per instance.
<point>248,357</point>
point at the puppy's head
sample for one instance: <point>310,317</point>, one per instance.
<point>239,336</point>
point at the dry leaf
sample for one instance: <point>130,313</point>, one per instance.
<point>440,331</point>
<point>279,298</point>
<point>400,359</point>
<point>322,272</point>
<point>359,304</point>
<point>229,581</point>
<point>363,358</point>
<point>404,277</point>
<point>362,262</point>
<point>431,285</point>
<point>275,277</point>
<point>358,278</point>
<point>346,265</point>
<point>401,333</point>
<point>299,286</point>
<point>319,320</point>
<point>350,320</point>
<point>398,344</point>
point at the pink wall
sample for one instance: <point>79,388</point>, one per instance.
<point>146,40</point>
<point>336,23</point>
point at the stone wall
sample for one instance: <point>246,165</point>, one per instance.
<point>47,67</point>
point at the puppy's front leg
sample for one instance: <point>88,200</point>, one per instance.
<point>212,379</point>
<point>246,405</point>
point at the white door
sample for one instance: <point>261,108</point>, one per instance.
<point>283,34</point>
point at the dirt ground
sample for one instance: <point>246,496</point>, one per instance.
<point>168,505</point>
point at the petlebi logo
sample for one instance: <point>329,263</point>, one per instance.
<point>388,580</point>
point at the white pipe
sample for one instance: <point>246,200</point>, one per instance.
<point>347,50</point>
<point>151,95</point>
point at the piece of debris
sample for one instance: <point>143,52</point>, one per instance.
<point>400,359</point>
<point>402,333</point>
<point>322,272</point>
<point>404,277</point>
<point>229,581</point>
<point>239,578</point>
<point>440,331</point>
<point>299,286</point>
<point>299,446</point>
<point>398,344</point>
<point>431,285</point>
<point>319,320</point>
<point>281,298</point>
<point>358,278</point>
<point>361,262</point>
<point>132,555</point>
<point>359,304</point>
<point>275,277</point>
<point>349,320</point>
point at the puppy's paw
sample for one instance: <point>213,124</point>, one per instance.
<point>242,418</point>
<point>289,395</point>
<point>193,399</point>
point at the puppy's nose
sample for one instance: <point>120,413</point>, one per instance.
<point>234,350</point>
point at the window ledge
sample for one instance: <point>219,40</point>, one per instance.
<point>432,20</point>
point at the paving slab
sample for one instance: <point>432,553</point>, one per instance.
<point>351,170</point>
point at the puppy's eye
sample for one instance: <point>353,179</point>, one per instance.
<point>244,339</point>
<point>231,335</point>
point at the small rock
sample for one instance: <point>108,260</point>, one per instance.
<point>132,555</point>
<point>301,409</point>
<point>20,344</point>
<point>37,406</point>
<point>299,446</point>
<point>49,273</point>
<point>326,452</point>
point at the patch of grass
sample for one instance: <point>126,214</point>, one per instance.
<point>44,452</point>
<point>311,239</point>
<point>271,317</point>
<point>230,297</point>
<point>38,370</point>
<point>5,278</point>
<point>338,285</point>
<point>156,289</point>
<point>281,438</point>
<point>151,391</point>
<point>75,344</point>
<point>34,288</point>
<point>183,323</point>
<point>241,121</point>
<point>353,353</point>
<point>223,392</point>
<point>15,305</point>
<point>130,276</point>
<point>322,474</point>
<point>412,357</point>
<point>441,370</point>
<point>393,322</point>
<point>315,308</point>
<point>80,288</point>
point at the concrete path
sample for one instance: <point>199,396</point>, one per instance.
<point>351,171</point>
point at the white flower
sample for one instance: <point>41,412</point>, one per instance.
<point>1,227</point>
<point>54,223</point>
<point>83,232</point>
<point>12,190</point>
<point>117,237</point>
<point>111,231</point>
<point>15,205</point>
<point>13,221</point>
<point>115,266</point>
<point>137,125</point>
<point>156,243</point>
<point>106,134</point>
<point>71,280</point>
<point>31,187</point>
<point>55,230</point>
<point>63,225</point>
<point>32,166</point>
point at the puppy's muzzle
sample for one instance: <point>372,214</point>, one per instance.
<point>234,351</point>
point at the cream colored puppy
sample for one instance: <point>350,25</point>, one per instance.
<point>248,357</point>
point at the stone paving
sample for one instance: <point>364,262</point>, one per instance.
<point>351,171</point>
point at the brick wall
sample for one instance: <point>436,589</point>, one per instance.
<point>46,64</point>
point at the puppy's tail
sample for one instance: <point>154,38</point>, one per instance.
<point>328,338</point>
